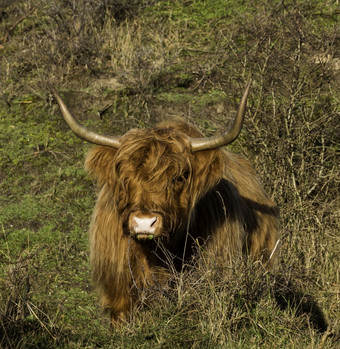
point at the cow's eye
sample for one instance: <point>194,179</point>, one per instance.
<point>183,177</point>
<point>180,179</point>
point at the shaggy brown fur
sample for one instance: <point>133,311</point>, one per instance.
<point>211,197</point>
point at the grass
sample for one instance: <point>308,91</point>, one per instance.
<point>141,62</point>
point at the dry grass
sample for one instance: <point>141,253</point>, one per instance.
<point>123,64</point>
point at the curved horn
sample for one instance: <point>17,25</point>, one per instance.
<point>227,137</point>
<point>80,130</point>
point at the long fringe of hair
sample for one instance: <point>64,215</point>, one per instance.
<point>227,211</point>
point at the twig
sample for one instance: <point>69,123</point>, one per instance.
<point>272,254</point>
<point>322,160</point>
<point>33,313</point>
<point>129,265</point>
<point>17,23</point>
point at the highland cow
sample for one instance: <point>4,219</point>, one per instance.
<point>162,192</point>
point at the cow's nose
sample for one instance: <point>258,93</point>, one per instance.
<point>144,225</point>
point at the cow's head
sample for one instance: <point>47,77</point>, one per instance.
<point>155,175</point>
<point>154,172</point>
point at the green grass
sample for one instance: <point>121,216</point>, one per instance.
<point>144,61</point>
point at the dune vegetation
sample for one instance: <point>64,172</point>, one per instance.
<point>121,64</point>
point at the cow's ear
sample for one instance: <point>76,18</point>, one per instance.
<point>99,164</point>
<point>208,168</point>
